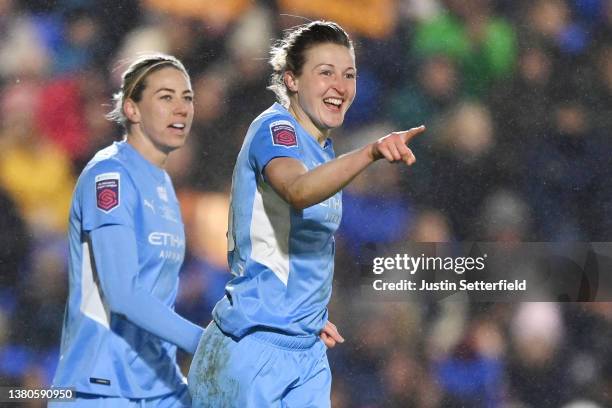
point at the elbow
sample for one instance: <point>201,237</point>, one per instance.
<point>296,199</point>
<point>299,204</point>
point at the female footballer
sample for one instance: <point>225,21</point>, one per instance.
<point>127,243</point>
<point>263,349</point>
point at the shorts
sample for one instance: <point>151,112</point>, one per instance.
<point>262,369</point>
<point>179,399</point>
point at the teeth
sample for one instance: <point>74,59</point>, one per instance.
<point>178,125</point>
<point>333,101</point>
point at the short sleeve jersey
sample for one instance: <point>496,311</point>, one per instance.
<point>101,352</point>
<point>282,258</point>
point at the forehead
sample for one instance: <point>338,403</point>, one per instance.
<point>330,53</point>
<point>168,77</point>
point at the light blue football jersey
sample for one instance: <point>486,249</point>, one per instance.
<point>103,352</point>
<point>283,258</point>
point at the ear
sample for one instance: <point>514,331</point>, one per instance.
<point>291,82</point>
<point>131,111</point>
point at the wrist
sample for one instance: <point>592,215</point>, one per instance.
<point>371,152</point>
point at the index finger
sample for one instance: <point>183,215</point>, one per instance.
<point>407,135</point>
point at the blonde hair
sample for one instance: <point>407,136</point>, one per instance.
<point>133,81</point>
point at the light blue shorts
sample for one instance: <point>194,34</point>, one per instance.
<point>180,399</point>
<point>263,369</point>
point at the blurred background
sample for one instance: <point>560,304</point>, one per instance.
<point>517,97</point>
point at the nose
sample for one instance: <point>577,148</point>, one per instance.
<point>340,85</point>
<point>182,108</point>
<point>344,86</point>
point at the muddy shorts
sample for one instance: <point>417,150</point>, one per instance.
<point>262,369</point>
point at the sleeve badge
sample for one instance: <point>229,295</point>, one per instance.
<point>283,133</point>
<point>107,191</point>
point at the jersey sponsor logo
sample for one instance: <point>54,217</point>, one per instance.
<point>333,214</point>
<point>171,256</point>
<point>283,133</point>
<point>332,202</point>
<point>107,191</point>
<point>166,239</point>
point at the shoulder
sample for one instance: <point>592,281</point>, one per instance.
<point>273,114</point>
<point>106,171</point>
<point>106,191</point>
<point>275,125</point>
<point>107,160</point>
<point>101,169</point>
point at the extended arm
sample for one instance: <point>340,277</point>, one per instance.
<point>302,188</point>
<point>116,260</point>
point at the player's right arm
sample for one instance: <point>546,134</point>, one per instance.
<point>302,188</point>
<point>108,225</point>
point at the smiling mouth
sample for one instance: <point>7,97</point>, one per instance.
<point>177,126</point>
<point>333,103</point>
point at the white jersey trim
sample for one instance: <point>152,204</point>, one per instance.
<point>91,301</point>
<point>269,231</point>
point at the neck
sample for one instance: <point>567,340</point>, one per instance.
<point>304,120</point>
<point>143,145</point>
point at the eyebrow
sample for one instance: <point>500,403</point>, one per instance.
<point>332,65</point>
<point>173,91</point>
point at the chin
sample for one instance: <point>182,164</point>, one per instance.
<point>173,146</point>
<point>335,124</point>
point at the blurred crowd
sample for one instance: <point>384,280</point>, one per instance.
<point>517,98</point>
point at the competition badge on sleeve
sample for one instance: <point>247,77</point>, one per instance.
<point>107,191</point>
<point>283,133</point>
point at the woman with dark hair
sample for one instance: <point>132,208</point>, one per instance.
<point>263,348</point>
<point>127,244</point>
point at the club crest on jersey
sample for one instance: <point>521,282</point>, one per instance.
<point>283,133</point>
<point>107,191</point>
<point>162,193</point>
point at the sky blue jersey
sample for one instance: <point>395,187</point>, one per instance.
<point>127,244</point>
<point>283,258</point>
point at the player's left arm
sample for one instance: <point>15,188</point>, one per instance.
<point>302,188</point>
<point>115,255</point>
<point>330,335</point>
